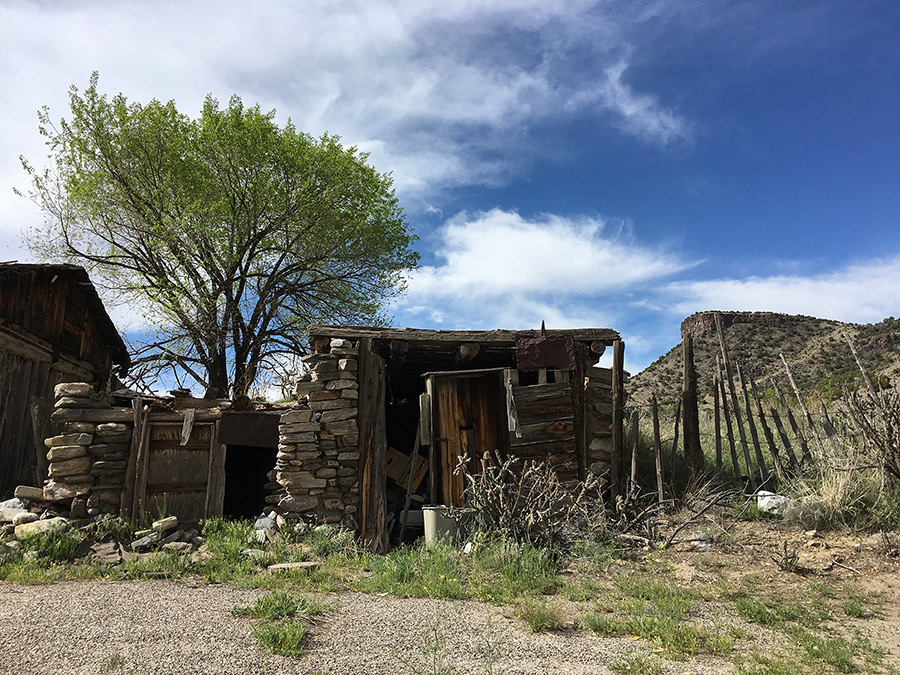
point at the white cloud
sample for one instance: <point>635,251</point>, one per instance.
<point>499,269</point>
<point>640,115</point>
<point>442,94</point>
<point>859,293</point>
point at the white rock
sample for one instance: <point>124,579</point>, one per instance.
<point>770,502</point>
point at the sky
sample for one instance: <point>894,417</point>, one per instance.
<point>587,164</point>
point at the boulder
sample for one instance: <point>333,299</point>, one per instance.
<point>8,515</point>
<point>63,492</point>
<point>771,502</point>
<point>69,439</point>
<point>73,389</point>
<point>69,402</point>
<point>299,503</point>
<point>165,524</point>
<point>112,428</point>
<point>70,467</point>
<point>79,508</point>
<point>145,543</point>
<point>26,530</point>
<point>296,416</point>
<point>29,493</point>
<point>61,453</point>
<point>178,546</point>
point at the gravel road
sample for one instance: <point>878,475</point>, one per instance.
<point>180,627</point>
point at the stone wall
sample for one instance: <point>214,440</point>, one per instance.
<point>87,462</point>
<point>318,455</point>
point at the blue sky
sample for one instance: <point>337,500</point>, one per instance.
<point>612,164</point>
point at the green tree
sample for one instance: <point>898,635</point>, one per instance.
<point>234,234</point>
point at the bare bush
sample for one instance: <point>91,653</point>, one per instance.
<point>876,418</point>
<point>528,501</point>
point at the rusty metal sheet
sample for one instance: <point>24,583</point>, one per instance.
<point>545,352</point>
<point>257,430</point>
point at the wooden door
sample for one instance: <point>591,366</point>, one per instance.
<point>467,420</point>
<point>178,476</point>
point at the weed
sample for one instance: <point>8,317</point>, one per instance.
<point>836,652</point>
<point>114,527</point>
<point>854,606</point>
<point>821,588</point>
<point>637,663</point>
<point>284,638</point>
<point>279,605</point>
<point>53,546</point>
<point>113,663</point>
<point>326,540</point>
<point>760,664</point>
<point>434,660</point>
<point>283,621</point>
<point>541,615</point>
<point>418,571</point>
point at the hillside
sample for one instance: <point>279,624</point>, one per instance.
<point>815,349</point>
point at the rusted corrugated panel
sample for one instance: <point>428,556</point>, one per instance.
<point>545,352</point>
<point>258,430</point>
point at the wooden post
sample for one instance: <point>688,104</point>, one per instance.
<point>760,461</point>
<point>658,450</point>
<point>675,442</point>
<point>372,446</point>
<point>792,459</point>
<point>618,384</point>
<point>770,439</point>
<point>734,401</point>
<point>635,438</point>
<point>693,453</point>
<point>735,464</point>
<point>809,419</point>
<point>801,439</point>
<point>40,409</point>
<point>718,423</point>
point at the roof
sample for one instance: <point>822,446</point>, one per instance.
<point>431,350</point>
<point>494,338</point>
<point>108,336</point>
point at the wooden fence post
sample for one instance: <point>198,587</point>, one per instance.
<point>657,449</point>
<point>693,453</point>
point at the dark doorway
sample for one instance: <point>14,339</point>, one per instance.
<point>245,480</point>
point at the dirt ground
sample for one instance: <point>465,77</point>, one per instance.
<point>186,626</point>
<point>867,565</point>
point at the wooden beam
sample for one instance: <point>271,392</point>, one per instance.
<point>693,453</point>
<point>488,338</point>
<point>618,441</point>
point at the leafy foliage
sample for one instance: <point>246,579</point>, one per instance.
<point>232,233</point>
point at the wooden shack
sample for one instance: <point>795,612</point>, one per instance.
<point>442,394</point>
<point>53,328</point>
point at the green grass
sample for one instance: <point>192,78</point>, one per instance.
<point>283,620</point>
<point>540,615</point>
<point>637,663</point>
<point>656,611</point>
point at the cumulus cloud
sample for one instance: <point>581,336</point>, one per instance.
<point>498,268</point>
<point>441,94</point>
<point>857,293</point>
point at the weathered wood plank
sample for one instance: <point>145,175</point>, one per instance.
<point>557,430</point>
<point>373,448</point>
<point>493,338</point>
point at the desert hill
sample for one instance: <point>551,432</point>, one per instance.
<point>815,350</point>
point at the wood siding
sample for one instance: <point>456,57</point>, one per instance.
<point>547,422</point>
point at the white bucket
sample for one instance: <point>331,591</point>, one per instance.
<point>439,526</point>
